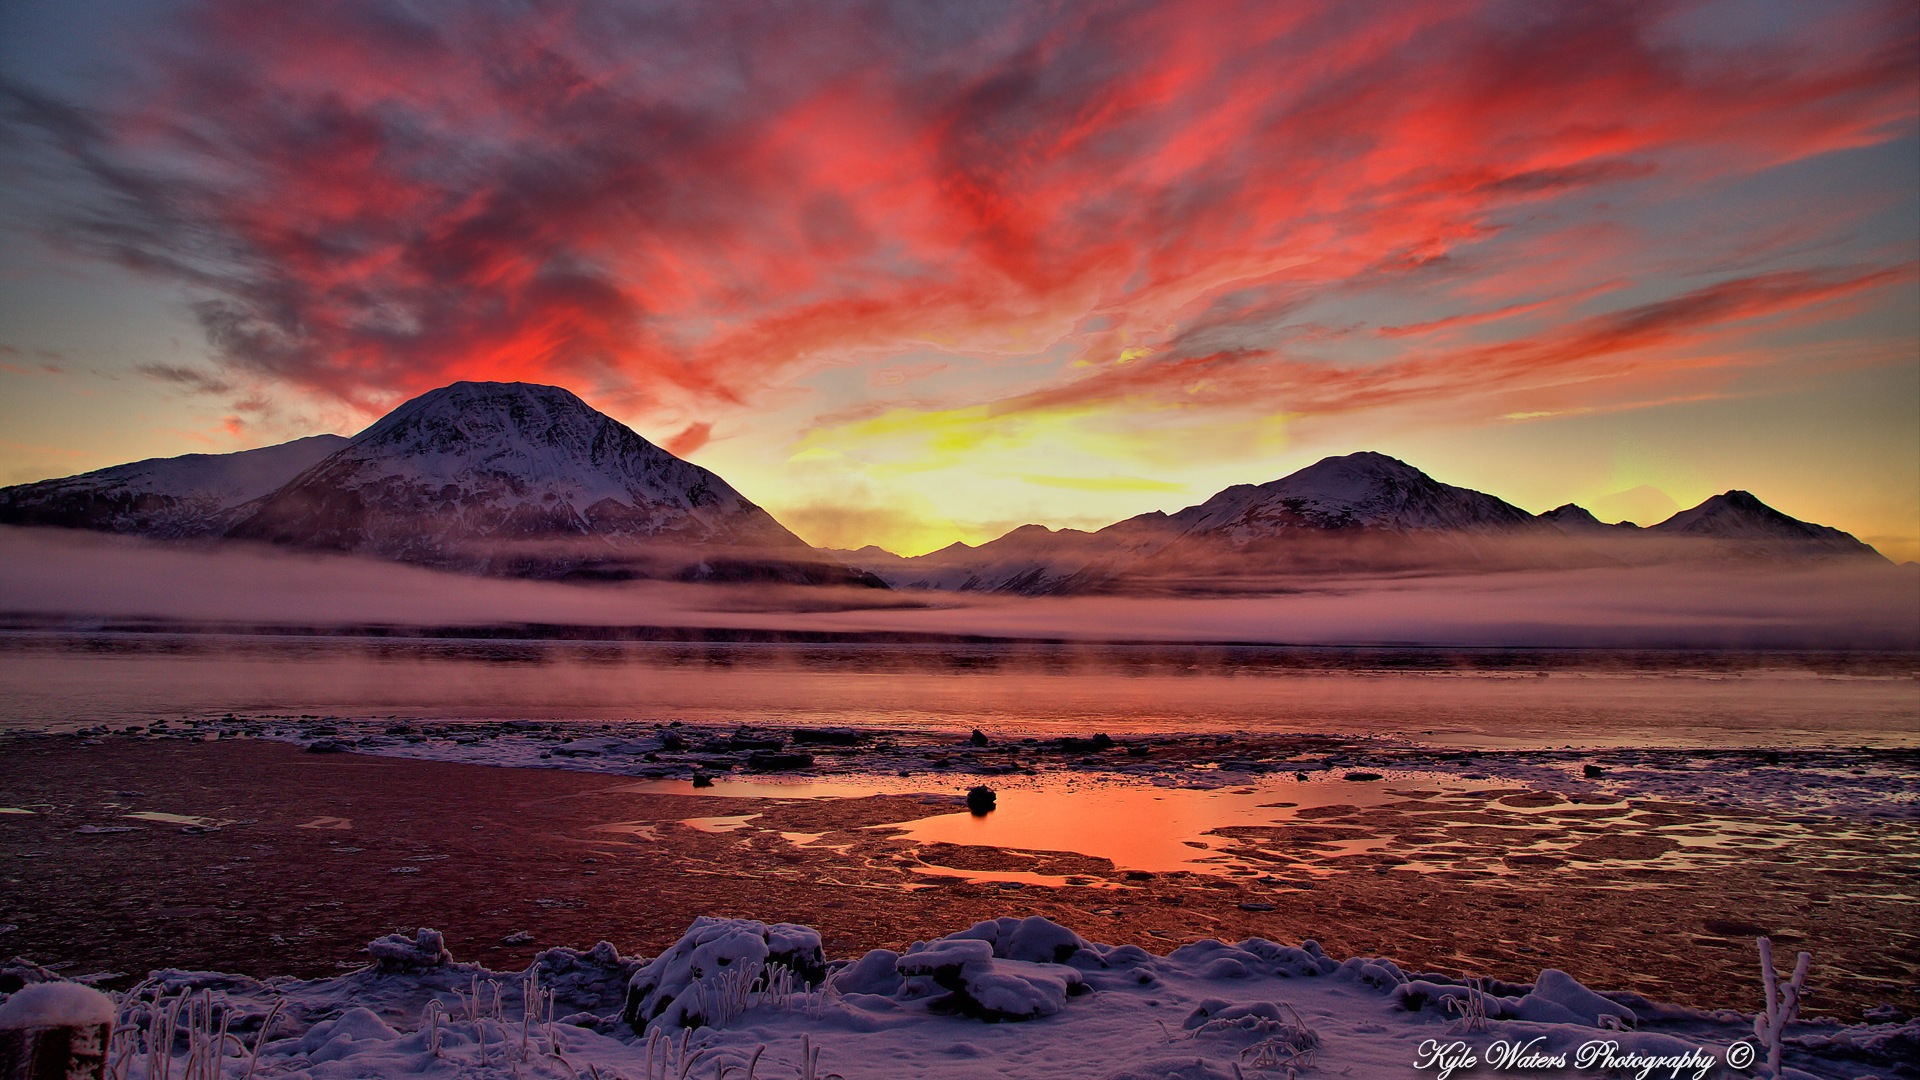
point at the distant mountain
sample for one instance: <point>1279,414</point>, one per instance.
<point>196,495</point>
<point>527,480</point>
<point>1742,523</point>
<point>1578,520</point>
<point>1357,491</point>
<point>497,478</point>
<point>1358,513</point>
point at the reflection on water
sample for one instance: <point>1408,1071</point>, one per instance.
<point>1288,834</point>
<point>1160,830</point>
<point>1453,697</point>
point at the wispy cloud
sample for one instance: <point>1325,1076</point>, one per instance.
<point>684,205</point>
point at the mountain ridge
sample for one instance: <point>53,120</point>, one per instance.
<point>522,479</point>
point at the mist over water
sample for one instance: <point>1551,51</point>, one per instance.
<point>1465,698</point>
<point>62,578</point>
<point>1644,656</point>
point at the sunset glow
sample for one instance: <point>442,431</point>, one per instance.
<point>909,274</point>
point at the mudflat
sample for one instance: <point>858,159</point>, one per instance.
<point>240,854</point>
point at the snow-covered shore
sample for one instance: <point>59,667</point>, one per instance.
<point>1008,997</point>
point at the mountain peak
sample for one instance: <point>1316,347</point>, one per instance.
<point>461,474</point>
<point>1742,520</point>
<point>1573,518</point>
<point>1365,490</point>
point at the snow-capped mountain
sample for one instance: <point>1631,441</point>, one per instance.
<point>195,495</point>
<point>530,480</point>
<point>1357,491</point>
<point>1366,500</point>
<point>1363,512</point>
<point>1744,524</point>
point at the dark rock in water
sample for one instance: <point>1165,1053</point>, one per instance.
<point>766,761</point>
<point>1140,875</point>
<point>978,738</point>
<point>673,742</point>
<point>980,800</point>
<point>1100,741</point>
<point>829,736</point>
<point>702,779</point>
<point>1139,751</point>
<point>736,743</point>
<point>326,746</point>
<point>1364,776</point>
<point>1592,772</point>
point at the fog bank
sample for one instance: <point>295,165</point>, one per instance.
<point>58,577</point>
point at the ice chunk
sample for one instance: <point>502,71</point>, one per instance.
<point>398,953</point>
<point>991,987</point>
<point>944,958</point>
<point>1017,990</point>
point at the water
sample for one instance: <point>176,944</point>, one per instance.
<point>1465,698</point>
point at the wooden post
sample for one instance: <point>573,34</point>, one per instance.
<point>55,1031</point>
<point>55,1053</point>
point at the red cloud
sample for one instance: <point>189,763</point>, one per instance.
<point>690,203</point>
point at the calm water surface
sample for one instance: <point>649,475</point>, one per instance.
<point>1462,698</point>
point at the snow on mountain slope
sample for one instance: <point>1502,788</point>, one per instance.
<point>515,478</point>
<point>1744,524</point>
<point>1357,491</point>
<point>193,495</point>
<point>1346,497</point>
<point>1363,512</point>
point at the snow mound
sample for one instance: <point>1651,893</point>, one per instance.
<point>55,1004</point>
<point>1555,998</point>
<point>875,973</point>
<point>983,974</point>
<point>1034,939</point>
<point>707,975</point>
<point>1257,956</point>
<point>331,1040</point>
<point>397,953</point>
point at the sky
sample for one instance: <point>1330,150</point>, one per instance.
<point>910,273</point>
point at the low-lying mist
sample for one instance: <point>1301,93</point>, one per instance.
<point>62,578</point>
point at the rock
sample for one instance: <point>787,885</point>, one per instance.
<point>1358,776</point>
<point>980,800</point>
<point>326,746</point>
<point>702,779</point>
<point>753,742</point>
<point>978,738</point>
<point>766,761</point>
<point>1592,772</point>
<point>829,736</point>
